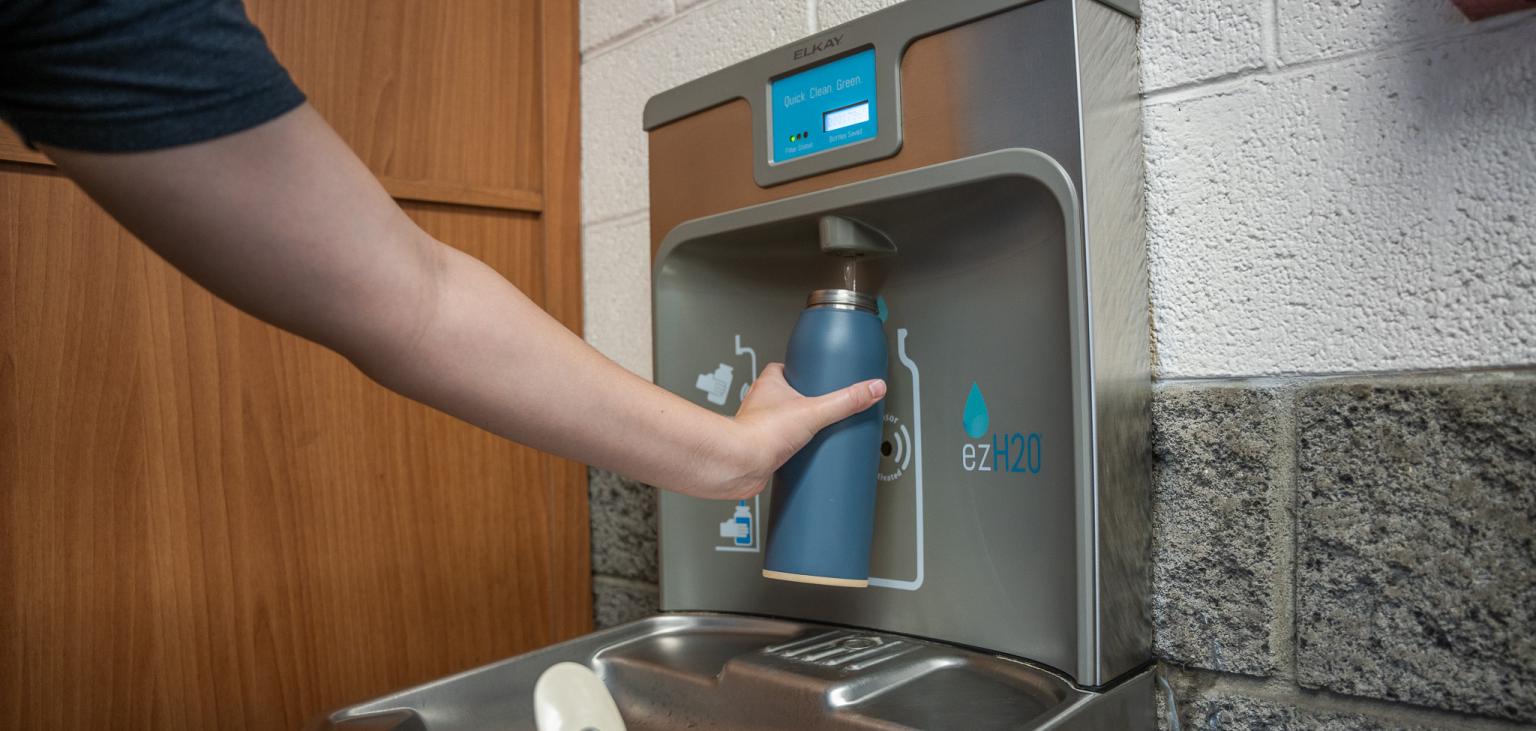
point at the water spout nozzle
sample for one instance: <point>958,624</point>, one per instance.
<point>842,236</point>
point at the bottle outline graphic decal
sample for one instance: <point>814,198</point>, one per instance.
<point>975,418</point>
<point>751,374</point>
<point>916,454</point>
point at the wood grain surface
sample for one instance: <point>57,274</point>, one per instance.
<point>428,92</point>
<point>208,523</point>
<point>442,100</point>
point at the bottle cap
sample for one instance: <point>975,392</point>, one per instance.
<point>845,299</point>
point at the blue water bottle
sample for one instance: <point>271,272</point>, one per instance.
<point>822,515</point>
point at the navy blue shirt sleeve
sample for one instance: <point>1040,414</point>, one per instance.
<point>130,75</point>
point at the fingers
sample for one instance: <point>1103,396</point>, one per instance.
<point>841,404</point>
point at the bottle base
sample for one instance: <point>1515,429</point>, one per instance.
<point>809,579</point>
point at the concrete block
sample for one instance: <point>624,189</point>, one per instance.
<point>616,291</point>
<point>1307,30</point>
<point>623,518</point>
<point>1416,542</point>
<point>1221,487</point>
<point>1242,712</point>
<point>837,12</point>
<point>605,20</point>
<point>1365,215</point>
<point>615,601</point>
<point>1186,41</point>
<point>1215,703</point>
<point>616,83</point>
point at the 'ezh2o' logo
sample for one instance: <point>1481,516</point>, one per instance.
<point>1014,452</point>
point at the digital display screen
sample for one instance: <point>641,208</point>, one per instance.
<point>849,115</point>
<point>824,107</point>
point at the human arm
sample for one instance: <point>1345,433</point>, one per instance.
<point>283,221</point>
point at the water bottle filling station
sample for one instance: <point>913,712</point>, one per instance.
<point>946,195</point>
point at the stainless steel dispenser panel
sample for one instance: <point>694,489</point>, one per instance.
<point>1007,173</point>
<point>976,517</point>
<point>1120,326</point>
<point>1061,580</point>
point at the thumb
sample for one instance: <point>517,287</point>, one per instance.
<point>843,403</point>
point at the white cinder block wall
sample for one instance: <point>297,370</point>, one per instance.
<point>1334,186</point>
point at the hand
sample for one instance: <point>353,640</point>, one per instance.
<point>775,422</point>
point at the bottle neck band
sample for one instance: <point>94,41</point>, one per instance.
<point>843,299</point>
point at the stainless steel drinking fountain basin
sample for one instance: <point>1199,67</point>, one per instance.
<point>716,671</point>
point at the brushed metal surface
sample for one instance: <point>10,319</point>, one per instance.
<point>1008,80</point>
<point>749,674</point>
<point>890,29</point>
<point>1057,76</point>
<point>1118,317</point>
<point>1055,232</point>
<point>988,288</point>
<point>887,32</point>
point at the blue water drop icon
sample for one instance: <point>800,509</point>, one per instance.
<point>880,308</point>
<point>975,417</point>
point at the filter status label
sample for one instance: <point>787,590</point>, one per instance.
<point>824,107</point>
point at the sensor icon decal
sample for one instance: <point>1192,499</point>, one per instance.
<point>895,449</point>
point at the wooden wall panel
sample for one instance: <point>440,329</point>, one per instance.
<point>209,523</point>
<point>443,100</point>
<point>434,96</point>
<point>11,148</point>
<point>560,103</point>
